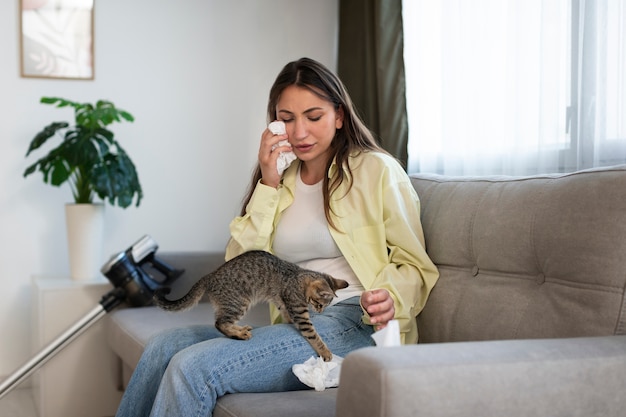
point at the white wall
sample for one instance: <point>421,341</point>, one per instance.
<point>195,74</point>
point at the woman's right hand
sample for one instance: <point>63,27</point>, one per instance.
<point>268,157</point>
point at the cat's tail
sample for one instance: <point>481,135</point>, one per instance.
<point>189,300</point>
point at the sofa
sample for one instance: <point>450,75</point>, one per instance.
<point>528,317</point>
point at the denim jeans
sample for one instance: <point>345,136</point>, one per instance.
<point>183,371</point>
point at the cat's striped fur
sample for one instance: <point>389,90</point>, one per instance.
<point>256,276</point>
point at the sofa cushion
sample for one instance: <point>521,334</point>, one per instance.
<point>531,257</point>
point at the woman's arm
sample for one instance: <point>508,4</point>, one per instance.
<point>254,229</point>
<point>410,274</point>
<point>384,242</point>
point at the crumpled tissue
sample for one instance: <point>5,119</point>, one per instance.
<point>285,158</point>
<point>389,335</point>
<point>318,374</point>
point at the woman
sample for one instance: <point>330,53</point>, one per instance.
<point>344,207</point>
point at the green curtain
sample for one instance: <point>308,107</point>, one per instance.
<point>371,65</point>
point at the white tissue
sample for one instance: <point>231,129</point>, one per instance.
<point>389,335</point>
<point>277,127</point>
<point>285,158</point>
<point>318,374</point>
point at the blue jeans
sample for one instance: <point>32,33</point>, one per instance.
<point>183,371</point>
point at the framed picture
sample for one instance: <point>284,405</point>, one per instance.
<point>57,39</point>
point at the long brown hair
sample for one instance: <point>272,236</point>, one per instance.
<point>351,138</point>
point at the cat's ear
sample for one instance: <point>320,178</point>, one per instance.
<point>319,289</point>
<point>339,284</point>
<point>325,293</point>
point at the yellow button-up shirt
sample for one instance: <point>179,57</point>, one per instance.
<point>378,231</point>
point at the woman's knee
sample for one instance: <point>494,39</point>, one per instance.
<point>181,366</point>
<point>168,342</point>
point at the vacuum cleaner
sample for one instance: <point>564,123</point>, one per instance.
<point>129,273</point>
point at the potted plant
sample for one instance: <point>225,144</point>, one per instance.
<point>94,164</point>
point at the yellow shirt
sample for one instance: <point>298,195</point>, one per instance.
<point>380,233</point>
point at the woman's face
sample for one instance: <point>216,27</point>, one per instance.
<point>310,122</point>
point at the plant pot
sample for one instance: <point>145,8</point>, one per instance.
<point>85,234</point>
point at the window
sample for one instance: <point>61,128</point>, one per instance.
<point>515,86</point>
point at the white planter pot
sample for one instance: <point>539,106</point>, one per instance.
<point>85,234</point>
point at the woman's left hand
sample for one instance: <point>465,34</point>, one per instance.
<point>379,306</point>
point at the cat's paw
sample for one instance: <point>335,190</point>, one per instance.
<point>246,332</point>
<point>326,355</point>
<point>242,332</point>
<point>234,331</point>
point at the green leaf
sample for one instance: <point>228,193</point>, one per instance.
<point>117,178</point>
<point>54,100</point>
<point>104,134</point>
<point>127,116</point>
<point>84,116</point>
<point>30,169</point>
<point>60,173</point>
<point>47,132</point>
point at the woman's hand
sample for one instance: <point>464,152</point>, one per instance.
<point>379,306</point>
<point>268,157</point>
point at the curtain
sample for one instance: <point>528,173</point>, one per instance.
<point>599,79</point>
<point>515,86</point>
<point>371,65</point>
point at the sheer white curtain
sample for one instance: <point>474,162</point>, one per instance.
<point>515,86</point>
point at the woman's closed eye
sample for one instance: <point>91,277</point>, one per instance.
<point>311,118</point>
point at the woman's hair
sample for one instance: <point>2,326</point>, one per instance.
<point>351,138</point>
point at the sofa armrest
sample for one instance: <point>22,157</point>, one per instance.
<point>540,377</point>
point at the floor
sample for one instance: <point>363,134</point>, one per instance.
<point>18,403</point>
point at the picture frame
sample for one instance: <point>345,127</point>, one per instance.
<point>57,39</point>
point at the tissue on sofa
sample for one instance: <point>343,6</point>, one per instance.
<point>318,374</point>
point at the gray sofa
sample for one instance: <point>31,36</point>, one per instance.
<point>533,275</point>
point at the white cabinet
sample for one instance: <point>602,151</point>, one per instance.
<point>82,379</point>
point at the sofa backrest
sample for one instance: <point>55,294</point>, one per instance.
<point>525,257</point>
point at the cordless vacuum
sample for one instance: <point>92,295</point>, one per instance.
<point>131,284</point>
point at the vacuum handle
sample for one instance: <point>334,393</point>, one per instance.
<point>168,271</point>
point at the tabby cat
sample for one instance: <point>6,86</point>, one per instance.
<point>256,276</point>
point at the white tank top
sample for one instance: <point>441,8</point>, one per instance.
<point>302,237</point>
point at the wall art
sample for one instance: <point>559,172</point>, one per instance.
<point>57,39</point>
